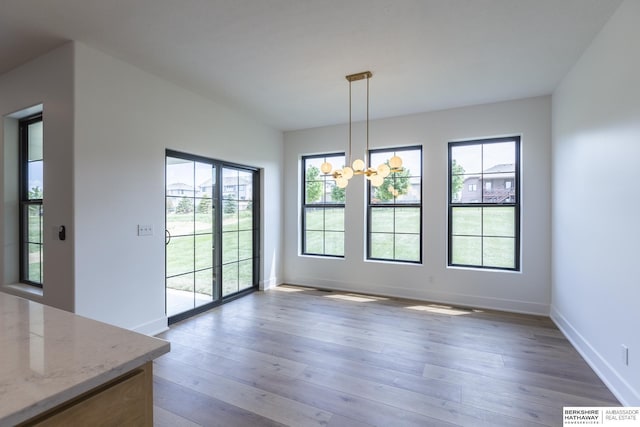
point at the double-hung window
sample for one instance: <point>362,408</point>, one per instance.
<point>484,203</point>
<point>322,208</point>
<point>394,211</point>
<point>31,195</point>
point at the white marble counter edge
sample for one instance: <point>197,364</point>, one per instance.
<point>76,390</point>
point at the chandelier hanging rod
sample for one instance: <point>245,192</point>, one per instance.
<point>354,78</point>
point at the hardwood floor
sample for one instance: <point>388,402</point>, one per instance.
<point>304,357</point>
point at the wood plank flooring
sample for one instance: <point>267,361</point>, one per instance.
<point>303,357</point>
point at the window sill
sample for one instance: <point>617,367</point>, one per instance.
<point>329,257</point>
<point>484,269</point>
<point>394,262</point>
<point>25,291</point>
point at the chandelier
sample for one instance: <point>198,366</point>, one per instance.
<point>375,175</point>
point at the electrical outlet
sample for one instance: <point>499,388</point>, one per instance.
<point>625,355</point>
<point>145,230</point>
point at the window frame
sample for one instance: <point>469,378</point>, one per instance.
<point>304,206</point>
<point>516,204</point>
<point>25,202</point>
<point>419,205</point>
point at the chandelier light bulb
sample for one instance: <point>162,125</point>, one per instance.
<point>384,170</point>
<point>395,162</point>
<point>347,172</point>
<point>342,182</point>
<point>358,165</point>
<point>377,180</point>
<point>326,168</point>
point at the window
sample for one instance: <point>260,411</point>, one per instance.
<point>484,231</point>
<point>31,195</point>
<point>323,208</point>
<point>394,212</point>
<point>473,187</point>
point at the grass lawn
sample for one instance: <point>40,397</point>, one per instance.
<point>395,232</point>
<point>483,236</point>
<point>34,225</point>
<point>324,231</point>
<point>190,253</point>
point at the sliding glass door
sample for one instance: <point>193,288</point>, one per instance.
<point>211,233</point>
<point>237,230</point>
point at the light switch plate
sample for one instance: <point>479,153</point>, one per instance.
<point>145,230</point>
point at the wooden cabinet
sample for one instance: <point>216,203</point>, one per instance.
<point>125,401</point>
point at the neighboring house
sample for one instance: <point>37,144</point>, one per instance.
<point>234,187</point>
<point>237,187</point>
<point>415,191</point>
<point>494,185</point>
<point>206,187</point>
<point>180,189</point>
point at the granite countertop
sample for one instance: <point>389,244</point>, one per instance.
<point>49,356</point>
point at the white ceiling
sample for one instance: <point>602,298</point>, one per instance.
<point>284,61</point>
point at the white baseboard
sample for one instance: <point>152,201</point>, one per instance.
<point>153,327</point>
<point>621,389</point>
<point>514,306</point>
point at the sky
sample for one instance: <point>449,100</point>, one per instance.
<point>476,158</point>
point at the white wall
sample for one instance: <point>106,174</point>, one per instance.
<point>526,291</point>
<point>106,127</point>
<point>596,200</point>
<point>47,80</point>
<point>125,119</point>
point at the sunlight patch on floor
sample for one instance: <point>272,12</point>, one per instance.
<point>287,289</point>
<point>442,309</point>
<point>356,297</point>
